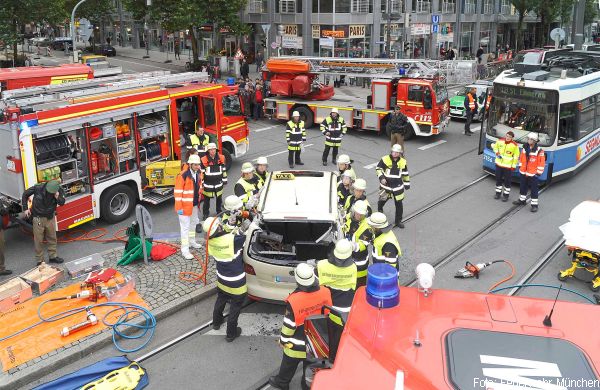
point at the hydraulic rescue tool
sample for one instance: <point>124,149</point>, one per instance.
<point>471,270</point>
<point>91,321</point>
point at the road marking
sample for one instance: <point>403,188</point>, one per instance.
<point>371,166</point>
<point>254,324</point>
<point>431,145</point>
<point>265,128</point>
<point>282,152</point>
<point>141,63</point>
<point>476,129</point>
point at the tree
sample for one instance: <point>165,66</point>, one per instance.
<point>522,7</point>
<point>96,11</point>
<point>591,11</point>
<point>548,12</point>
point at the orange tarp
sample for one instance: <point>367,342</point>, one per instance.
<point>287,66</point>
<point>46,337</point>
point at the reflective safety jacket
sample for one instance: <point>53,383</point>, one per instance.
<point>226,249</point>
<point>187,191</point>
<point>396,175</point>
<point>532,161</point>
<point>352,199</point>
<point>471,103</point>
<point>360,235</point>
<point>342,283</point>
<point>507,153</point>
<point>336,128</point>
<point>386,249</point>
<point>295,134</point>
<point>229,223</point>
<point>343,193</point>
<point>245,189</point>
<point>262,178</point>
<point>300,305</point>
<point>214,173</point>
<point>199,143</point>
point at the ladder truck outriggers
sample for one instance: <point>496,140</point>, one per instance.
<point>111,143</point>
<point>415,85</point>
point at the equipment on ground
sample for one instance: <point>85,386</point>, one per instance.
<point>90,321</point>
<point>471,270</point>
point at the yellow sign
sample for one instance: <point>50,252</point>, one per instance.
<point>290,29</point>
<point>284,176</point>
<point>67,79</point>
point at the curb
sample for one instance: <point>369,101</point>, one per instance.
<point>92,343</point>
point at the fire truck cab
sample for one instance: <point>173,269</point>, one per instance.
<point>99,140</point>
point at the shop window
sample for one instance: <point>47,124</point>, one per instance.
<point>416,93</point>
<point>586,121</point>
<point>567,125</point>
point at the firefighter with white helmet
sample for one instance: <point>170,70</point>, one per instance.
<point>356,229</point>
<point>359,189</point>
<point>226,249</point>
<point>295,135</point>
<point>307,299</point>
<point>531,167</point>
<point>233,216</point>
<point>344,164</point>
<point>262,164</point>
<point>344,187</point>
<point>188,193</point>
<point>333,128</point>
<point>386,248</point>
<point>392,172</point>
<point>338,273</point>
<point>214,171</point>
<point>247,186</point>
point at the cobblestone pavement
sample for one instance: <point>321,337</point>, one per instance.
<point>158,283</point>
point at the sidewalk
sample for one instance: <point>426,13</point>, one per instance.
<point>158,284</point>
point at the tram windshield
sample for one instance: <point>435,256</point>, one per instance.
<point>523,111</point>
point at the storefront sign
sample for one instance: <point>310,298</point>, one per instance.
<point>446,28</point>
<point>326,42</point>
<point>290,42</point>
<point>206,28</point>
<point>420,29</point>
<point>290,29</point>
<point>224,30</point>
<point>333,33</point>
<point>357,30</point>
<point>394,29</point>
<point>316,31</point>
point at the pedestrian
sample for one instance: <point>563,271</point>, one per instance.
<point>188,194</point>
<point>244,69</point>
<point>295,135</point>
<point>306,300</point>
<point>226,249</point>
<point>358,193</point>
<point>397,126</point>
<point>470,109</point>
<point>247,186</point>
<point>532,163</point>
<point>46,197</point>
<point>386,248</point>
<point>451,54</point>
<point>344,164</point>
<point>252,99</point>
<point>479,54</point>
<point>333,128</point>
<point>262,174</point>
<point>232,217</point>
<point>392,172</point>
<point>344,188</point>
<point>214,173</point>
<point>507,157</point>
<point>3,225</point>
<point>177,49</point>
<point>258,102</point>
<point>199,140</point>
<point>338,273</point>
<point>259,61</point>
<point>357,230</point>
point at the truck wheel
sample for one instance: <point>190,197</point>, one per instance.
<point>306,115</point>
<point>117,203</point>
<point>410,132</point>
<point>228,159</point>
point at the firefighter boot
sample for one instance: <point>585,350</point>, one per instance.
<point>497,196</point>
<point>380,205</point>
<point>534,208</point>
<point>505,197</point>
<point>519,202</point>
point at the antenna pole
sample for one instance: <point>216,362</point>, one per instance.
<point>548,318</point>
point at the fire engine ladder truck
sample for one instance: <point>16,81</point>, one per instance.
<point>369,67</point>
<point>56,98</point>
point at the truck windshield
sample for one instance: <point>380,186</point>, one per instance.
<point>441,93</point>
<point>231,105</point>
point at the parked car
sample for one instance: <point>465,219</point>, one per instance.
<point>105,50</point>
<point>59,43</point>
<point>40,41</point>
<point>457,102</point>
<point>298,220</point>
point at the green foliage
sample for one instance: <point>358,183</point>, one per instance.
<point>591,11</point>
<point>549,12</point>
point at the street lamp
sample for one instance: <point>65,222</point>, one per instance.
<point>73,31</point>
<point>146,31</point>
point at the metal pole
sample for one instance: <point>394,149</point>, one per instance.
<point>389,28</point>
<point>578,24</point>
<point>73,29</point>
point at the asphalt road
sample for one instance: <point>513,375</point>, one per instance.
<point>437,166</point>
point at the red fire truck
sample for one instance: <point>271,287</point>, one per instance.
<point>99,140</point>
<point>30,76</point>
<point>410,338</point>
<point>413,84</point>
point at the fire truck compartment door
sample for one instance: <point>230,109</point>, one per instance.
<point>380,95</point>
<point>10,182</point>
<point>282,111</point>
<point>370,120</point>
<point>75,213</point>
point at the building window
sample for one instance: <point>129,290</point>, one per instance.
<point>505,9</point>
<point>395,5</point>
<point>488,7</point>
<point>466,39</point>
<point>470,7</point>
<point>485,36</point>
<point>257,6</point>
<point>448,7</point>
<point>287,6</point>
<point>342,6</point>
<point>360,6</point>
<point>422,6</point>
<point>326,6</point>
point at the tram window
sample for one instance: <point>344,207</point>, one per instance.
<point>586,120</point>
<point>415,93</point>
<point>567,131</point>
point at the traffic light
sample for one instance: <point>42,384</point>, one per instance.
<point>406,46</point>
<point>263,42</point>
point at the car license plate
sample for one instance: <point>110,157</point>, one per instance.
<point>284,279</point>
<point>457,112</point>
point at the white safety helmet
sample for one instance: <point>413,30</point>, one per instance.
<point>232,203</point>
<point>247,167</point>
<point>343,159</point>
<point>533,136</point>
<point>206,225</point>
<point>347,174</point>
<point>296,113</point>
<point>211,145</point>
<point>360,184</point>
<point>304,274</point>
<point>378,220</point>
<point>334,110</point>
<point>360,207</point>
<point>342,253</point>
<point>397,148</point>
<point>262,161</point>
<point>193,159</point>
